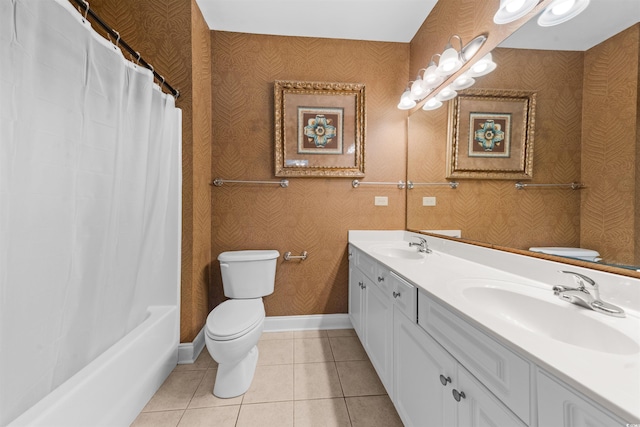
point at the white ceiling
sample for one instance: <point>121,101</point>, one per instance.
<point>399,20</point>
<point>374,20</point>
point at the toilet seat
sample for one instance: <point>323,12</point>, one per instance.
<point>234,318</point>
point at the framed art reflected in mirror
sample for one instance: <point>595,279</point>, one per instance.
<point>491,135</point>
<point>319,129</point>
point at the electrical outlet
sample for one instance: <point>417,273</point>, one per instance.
<point>428,201</point>
<point>381,201</point>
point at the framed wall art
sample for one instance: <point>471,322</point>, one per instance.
<point>319,129</point>
<point>491,135</point>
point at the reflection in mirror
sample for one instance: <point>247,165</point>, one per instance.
<point>586,130</point>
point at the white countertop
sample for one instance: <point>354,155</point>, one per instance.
<point>612,380</point>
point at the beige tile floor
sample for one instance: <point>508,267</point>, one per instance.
<point>303,379</point>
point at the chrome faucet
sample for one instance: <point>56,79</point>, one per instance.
<point>423,247</point>
<point>586,297</point>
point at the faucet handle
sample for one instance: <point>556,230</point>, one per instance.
<point>581,279</point>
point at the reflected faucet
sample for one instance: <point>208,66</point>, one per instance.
<point>586,297</point>
<point>422,246</point>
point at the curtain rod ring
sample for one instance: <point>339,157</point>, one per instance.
<point>118,39</point>
<point>162,82</point>
<point>86,9</point>
<point>138,58</point>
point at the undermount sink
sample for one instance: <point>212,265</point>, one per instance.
<point>536,314</point>
<point>398,250</point>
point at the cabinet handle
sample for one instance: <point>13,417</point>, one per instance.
<point>380,279</point>
<point>457,395</point>
<point>364,286</point>
<point>396,294</point>
<point>444,380</point>
<point>361,285</point>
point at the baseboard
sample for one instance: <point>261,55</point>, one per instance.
<point>188,352</point>
<point>310,322</point>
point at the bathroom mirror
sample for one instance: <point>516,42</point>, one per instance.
<point>571,112</point>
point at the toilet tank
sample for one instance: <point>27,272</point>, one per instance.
<point>577,253</point>
<point>248,274</point>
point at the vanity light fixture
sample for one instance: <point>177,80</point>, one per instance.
<point>510,10</point>
<point>406,102</point>
<point>446,94</point>
<point>464,81</point>
<point>560,11</point>
<point>418,89</point>
<point>483,67</point>
<point>431,78</point>
<point>450,60</point>
<point>432,104</point>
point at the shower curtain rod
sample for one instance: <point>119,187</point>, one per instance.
<point>119,42</point>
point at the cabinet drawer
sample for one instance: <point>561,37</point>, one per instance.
<point>367,265</point>
<point>405,295</point>
<point>503,372</point>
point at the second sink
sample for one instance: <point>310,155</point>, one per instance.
<point>535,314</point>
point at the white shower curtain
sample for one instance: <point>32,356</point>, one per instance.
<point>89,198</point>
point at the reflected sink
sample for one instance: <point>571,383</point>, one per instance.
<point>398,250</point>
<point>539,316</point>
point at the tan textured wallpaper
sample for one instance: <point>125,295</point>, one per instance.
<point>312,214</point>
<point>173,37</point>
<point>610,211</point>
<point>493,210</point>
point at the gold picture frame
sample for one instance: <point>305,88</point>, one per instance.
<point>491,135</point>
<point>319,129</point>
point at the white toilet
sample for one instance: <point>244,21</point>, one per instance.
<point>234,327</point>
<point>576,253</point>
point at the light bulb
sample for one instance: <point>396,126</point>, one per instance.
<point>514,5</point>
<point>562,7</point>
<point>560,11</point>
<point>463,82</point>
<point>511,10</point>
<point>418,89</point>
<point>449,62</point>
<point>431,78</point>
<point>479,68</point>
<point>446,94</point>
<point>483,67</point>
<point>406,103</point>
<point>432,104</point>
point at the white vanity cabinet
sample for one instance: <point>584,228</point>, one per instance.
<point>371,312</point>
<point>560,406</point>
<point>433,388</point>
<point>420,364</point>
<point>441,369</point>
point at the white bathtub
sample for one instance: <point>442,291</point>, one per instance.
<point>114,388</point>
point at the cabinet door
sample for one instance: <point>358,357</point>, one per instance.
<point>379,332</point>
<point>356,283</point>
<point>503,372</point>
<point>420,398</point>
<point>559,406</point>
<point>477,406</point>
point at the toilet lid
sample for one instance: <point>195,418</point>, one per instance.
<point>566,252</point>
<point>235,317</point>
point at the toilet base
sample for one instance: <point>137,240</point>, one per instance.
<point>234,379</point>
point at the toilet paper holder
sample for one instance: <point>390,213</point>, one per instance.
<point>289,257</point>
